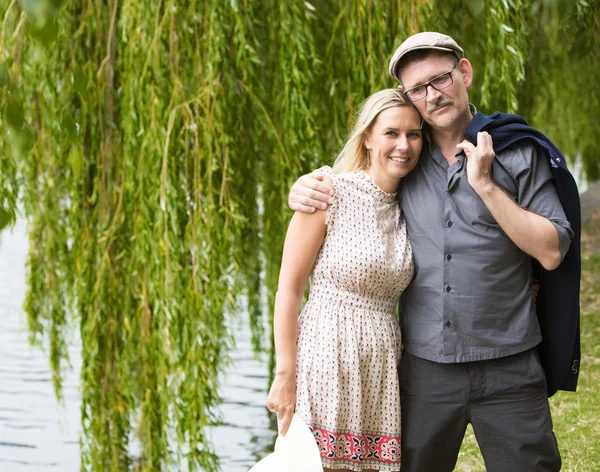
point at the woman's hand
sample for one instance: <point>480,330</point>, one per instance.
<point>282,400</point>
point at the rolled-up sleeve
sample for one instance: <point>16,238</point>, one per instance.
<point>537,193</point>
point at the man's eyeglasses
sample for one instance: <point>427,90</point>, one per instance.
<point>441,82</point>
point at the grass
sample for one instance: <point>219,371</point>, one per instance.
<point>576,416</point>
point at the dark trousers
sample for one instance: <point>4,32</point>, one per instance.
<point>504,399</point>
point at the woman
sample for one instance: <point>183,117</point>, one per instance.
<point>337,363</point>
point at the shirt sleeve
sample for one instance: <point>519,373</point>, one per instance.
<point>537,192</point>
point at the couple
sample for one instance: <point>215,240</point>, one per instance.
<point>472,216</point>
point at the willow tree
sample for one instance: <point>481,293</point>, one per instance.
<point>152,143</point>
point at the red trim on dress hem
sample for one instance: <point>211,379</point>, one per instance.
<point>357,448</point>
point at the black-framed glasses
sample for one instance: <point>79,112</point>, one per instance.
<point>440,82</point>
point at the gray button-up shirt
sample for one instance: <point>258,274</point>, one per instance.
<point>470,298</point>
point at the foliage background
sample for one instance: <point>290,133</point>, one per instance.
<point>152,143</point>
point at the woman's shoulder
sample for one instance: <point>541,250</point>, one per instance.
<point>341,178</point>
<point>327,170</point>
<point>338,181</point>
<point>345,187</point>
<point>354,183</point>
<point>352,176</point>
<point>360,182</point>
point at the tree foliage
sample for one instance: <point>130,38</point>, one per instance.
<point>152,143</point>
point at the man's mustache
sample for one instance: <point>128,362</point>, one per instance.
<point>439,104</point>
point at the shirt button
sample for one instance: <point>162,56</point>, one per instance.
<point>449,257</point>
<point>448,288</point>
<point>449,224</point>
<point>448,323</point>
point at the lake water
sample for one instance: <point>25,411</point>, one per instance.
<point>36,434</point>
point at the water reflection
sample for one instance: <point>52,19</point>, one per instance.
<point>247,433</point>
<point>37,434</point>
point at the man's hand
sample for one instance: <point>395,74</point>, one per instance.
<point>479,161</point>
<point>310,193</point>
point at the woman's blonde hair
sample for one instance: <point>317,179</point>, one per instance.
<point>354,154</point>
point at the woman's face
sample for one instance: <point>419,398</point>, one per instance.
<point>395,143</point>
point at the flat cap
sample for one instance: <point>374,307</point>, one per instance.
<point>426,40</point>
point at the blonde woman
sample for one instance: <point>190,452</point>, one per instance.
<point>337,363</point>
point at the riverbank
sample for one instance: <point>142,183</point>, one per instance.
<point>576,417</point>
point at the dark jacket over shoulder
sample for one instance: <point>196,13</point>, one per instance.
<point>558,300</point>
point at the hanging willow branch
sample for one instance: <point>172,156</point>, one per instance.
<point>151,145</point>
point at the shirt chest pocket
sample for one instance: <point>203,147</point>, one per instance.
<point>507,184</point>
<point>505,181</point>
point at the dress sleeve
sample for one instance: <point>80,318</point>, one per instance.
<point>332,209</point>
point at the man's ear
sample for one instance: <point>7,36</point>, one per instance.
<point>466,71</point>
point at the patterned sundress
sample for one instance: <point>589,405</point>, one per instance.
<point>348,347</point>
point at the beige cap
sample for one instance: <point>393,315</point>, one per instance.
<point>427,40</point>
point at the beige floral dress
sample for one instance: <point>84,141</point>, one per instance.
<point>348,337</point>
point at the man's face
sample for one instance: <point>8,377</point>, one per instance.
<point>444,109</point>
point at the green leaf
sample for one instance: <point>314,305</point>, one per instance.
<point>15,114</point>
<point>3,75</point>
<point>6,218</point>
<point>80,82</point>
<point>68,124</point>
<point>23,141</point>
<point>75,160</point>
<point>47,33</point>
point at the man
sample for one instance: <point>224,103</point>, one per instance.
<point>469,325</point>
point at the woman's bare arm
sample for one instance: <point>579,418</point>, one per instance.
<point>304,238</point>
